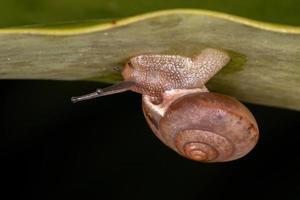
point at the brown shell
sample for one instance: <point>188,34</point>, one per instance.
<point>206,127</point>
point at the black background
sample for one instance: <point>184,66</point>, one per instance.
<point>103,149</point>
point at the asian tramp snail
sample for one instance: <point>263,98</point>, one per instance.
<point>183,114</point>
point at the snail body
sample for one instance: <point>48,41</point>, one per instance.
<point>182,113</point>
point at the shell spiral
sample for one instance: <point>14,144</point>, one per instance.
<point>206,127</point>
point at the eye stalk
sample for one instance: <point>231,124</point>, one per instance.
<point>117,69</point>
<point>117,88</point>
<point>130,64</point>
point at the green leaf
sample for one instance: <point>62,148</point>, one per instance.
<point>265,65</point>
<point>24,12</point>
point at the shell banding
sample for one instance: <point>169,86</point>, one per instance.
<point>203,126</point>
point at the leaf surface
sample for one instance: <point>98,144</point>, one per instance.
<point>265,65</point>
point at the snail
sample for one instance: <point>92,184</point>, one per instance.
<point>182,113</point>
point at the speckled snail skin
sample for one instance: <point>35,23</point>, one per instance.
<point>183,114</point>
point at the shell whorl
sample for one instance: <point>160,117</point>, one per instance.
<point>202,145</point>
<point>206,127</point>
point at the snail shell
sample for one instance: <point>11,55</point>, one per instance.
<point>202,126</point>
